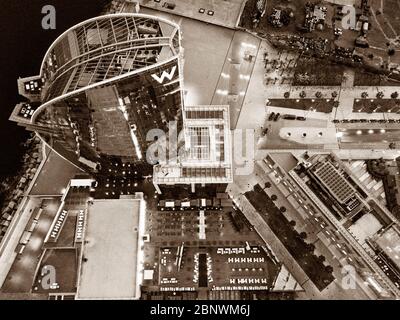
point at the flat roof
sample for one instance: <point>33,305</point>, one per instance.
<point>65,263</point>
<point>111,250</point>
<point>334,181</point>
<point>365,227</point>
<point>207,131</point>
<point>389,243</point>
<point>57,170</point>
<point>207,156</point>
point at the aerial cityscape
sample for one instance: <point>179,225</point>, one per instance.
<point>207,150</point>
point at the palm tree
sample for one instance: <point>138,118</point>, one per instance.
<point>364,95</point>
<point>395,95</point>
<point>286,95</point>
<point>274,197</point>
<point>336,104</point>
<point>334,94</point>
<point>329,269</point>
<point>380,95</point>
<point>302,94</point>
<point>310,247</point>
<point>318,94</point>
<point>282,209</point>
<point>303,235</point>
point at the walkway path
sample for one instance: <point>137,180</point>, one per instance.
<point>224,13</point>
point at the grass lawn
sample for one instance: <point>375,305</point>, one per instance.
<point>320,105</point>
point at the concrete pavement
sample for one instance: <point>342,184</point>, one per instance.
<point>253,110</point>
<point>223,13</point>
<point>236,73</point>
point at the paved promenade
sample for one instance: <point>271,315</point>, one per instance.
<point>219,12</point>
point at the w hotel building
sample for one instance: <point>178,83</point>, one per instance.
<point>106,82</point>
<point>102,85</point>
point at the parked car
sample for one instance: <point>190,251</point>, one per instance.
<point>271,116</point>
<point>289,117</point>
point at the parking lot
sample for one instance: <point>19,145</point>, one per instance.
<point>222,248</point>
<point>238,267</point>
<point>173,227</point>
<point>225,267</point>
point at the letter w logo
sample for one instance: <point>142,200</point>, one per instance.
<point>164,75</point>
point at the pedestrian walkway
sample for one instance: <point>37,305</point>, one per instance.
<point>253,111</point>
<point>219,12</point>
<point>236,72</point>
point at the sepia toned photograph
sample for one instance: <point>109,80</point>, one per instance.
<point>214,151</point>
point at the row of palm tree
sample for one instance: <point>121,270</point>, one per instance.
<point>334,94</point>
<point>380,95</point>
<point>303,94</point>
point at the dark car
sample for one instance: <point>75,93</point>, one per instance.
<point>271,116</point>
<point>289,117</point>
<point>265,131</point>
<point>169,5</point>
<point>277,116</point>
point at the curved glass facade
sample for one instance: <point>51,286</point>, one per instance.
<point>107,82</point>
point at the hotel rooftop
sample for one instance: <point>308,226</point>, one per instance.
<point>207,152</point>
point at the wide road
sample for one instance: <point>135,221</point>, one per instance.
<point>379,274</point>
<point>272,240</point>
